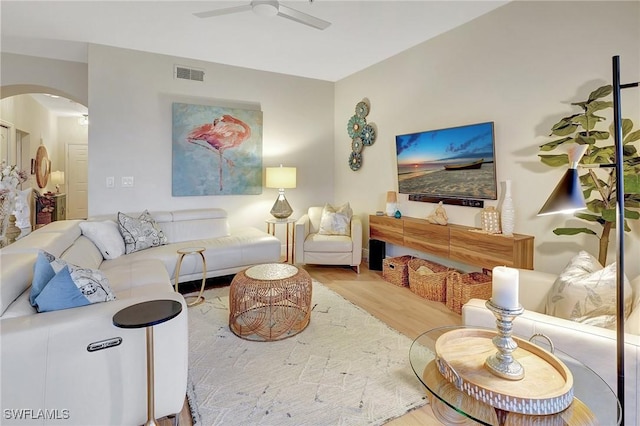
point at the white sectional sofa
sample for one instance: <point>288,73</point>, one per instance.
<point>48,374</point>
<point>593,346</point>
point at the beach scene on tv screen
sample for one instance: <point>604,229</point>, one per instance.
<point>456,162</point>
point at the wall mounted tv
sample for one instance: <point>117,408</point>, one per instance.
<point>453,165</point>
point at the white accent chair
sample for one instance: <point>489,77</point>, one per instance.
<point>314,248</point>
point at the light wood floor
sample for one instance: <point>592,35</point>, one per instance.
<point>396,306</point>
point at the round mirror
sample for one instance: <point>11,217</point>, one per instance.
<point>43,166</point>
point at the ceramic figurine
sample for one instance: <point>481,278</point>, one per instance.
<point>439,215</point>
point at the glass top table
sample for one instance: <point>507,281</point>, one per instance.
<point>594,401</point>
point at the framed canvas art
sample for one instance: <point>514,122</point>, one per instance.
<point>216,151</point>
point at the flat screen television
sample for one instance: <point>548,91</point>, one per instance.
<point>455,163</point>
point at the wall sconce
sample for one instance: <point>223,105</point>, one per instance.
<point>281,178</point>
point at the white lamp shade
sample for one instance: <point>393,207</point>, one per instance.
<point>281,177</point>
<point>57,177</point>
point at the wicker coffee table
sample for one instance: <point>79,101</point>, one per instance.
<point>270,302</point>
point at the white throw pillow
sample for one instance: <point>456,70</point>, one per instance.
<point>586,292</point>
<point>336,221</point>
<point>106,236</point>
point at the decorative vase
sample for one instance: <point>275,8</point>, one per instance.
<point>7,201</point>
<point>508,213</point>
<point>12,232</point>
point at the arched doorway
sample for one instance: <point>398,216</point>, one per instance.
<point>59,123</point>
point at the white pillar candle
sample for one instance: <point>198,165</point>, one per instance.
<point>505,287</point>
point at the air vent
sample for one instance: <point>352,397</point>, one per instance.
<point>185,73</point>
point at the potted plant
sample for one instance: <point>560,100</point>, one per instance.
<point>598,184</point>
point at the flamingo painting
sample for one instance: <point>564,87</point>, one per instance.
<point>216,150</point>
<point>223,133</point>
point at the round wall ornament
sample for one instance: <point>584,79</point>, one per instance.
<point>362,109</point>
<point>361,133</point>
<point>356,145</point>
<point>355,126</point>
<point>368,135</point>
<point>355,160</point>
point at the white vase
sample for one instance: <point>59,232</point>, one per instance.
<point>508,213</point>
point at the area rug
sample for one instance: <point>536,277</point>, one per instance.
<point>345,368</point>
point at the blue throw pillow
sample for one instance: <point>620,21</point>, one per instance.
<point>89,285</point>
<point>60,293</point>
<point>42,274</point>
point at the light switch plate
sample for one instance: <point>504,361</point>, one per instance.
<point>127,181</point>
<point>111,182</point>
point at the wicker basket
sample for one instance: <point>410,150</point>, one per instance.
<point>463,287</point>
<point>431,286</point>
<point>394,270</point>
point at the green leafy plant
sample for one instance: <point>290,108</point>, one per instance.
<point>598,184</point>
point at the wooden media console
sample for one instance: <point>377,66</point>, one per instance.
<point>461,243</point>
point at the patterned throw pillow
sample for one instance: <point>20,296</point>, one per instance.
<point>336,221</point>
<point>141,233</point>
<point>586,292</point>
<point>60,285</point>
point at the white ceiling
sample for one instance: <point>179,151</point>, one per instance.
<point>361,34</point>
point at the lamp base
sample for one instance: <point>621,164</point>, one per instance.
<point>281,208</point>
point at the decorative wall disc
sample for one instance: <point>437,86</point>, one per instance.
<point>355,126</point>
<point>355,160</point>
<point>356,145</point>
<point>362,109</point>
<point>368,135</point>
<point>361,134</point>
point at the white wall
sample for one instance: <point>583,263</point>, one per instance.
<point>519,66</point>
<point>29,74</point>
<point>130,98</point>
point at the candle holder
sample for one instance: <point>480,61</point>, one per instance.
<point>502,363</point>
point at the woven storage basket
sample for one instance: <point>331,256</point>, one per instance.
<point>463,287</point>
<point>431,286</point>
<point>394,270</point>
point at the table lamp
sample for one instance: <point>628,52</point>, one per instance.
<point>392,203</point>
<point>567,198</point>
<point>57,178</point>
<point>281,178</point>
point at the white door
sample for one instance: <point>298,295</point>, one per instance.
<point>77,181</point>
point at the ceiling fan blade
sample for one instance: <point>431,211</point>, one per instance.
<point>225,11</point>
<point>301,17</point>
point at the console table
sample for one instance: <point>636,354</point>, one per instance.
<point>456,242</point>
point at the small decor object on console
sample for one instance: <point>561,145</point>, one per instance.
<point>439,215</point>
<point>392,203</point>
<point>490,220</point>
<point>508,211</point>
<point>361,134</point>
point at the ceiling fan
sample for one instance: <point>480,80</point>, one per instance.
<point>269,8</point>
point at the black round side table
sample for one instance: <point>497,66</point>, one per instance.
<point>146,315</point>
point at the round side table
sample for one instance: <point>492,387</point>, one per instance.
<point>181,254</point>
<point>146,315</point>
<point>270,302</point>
